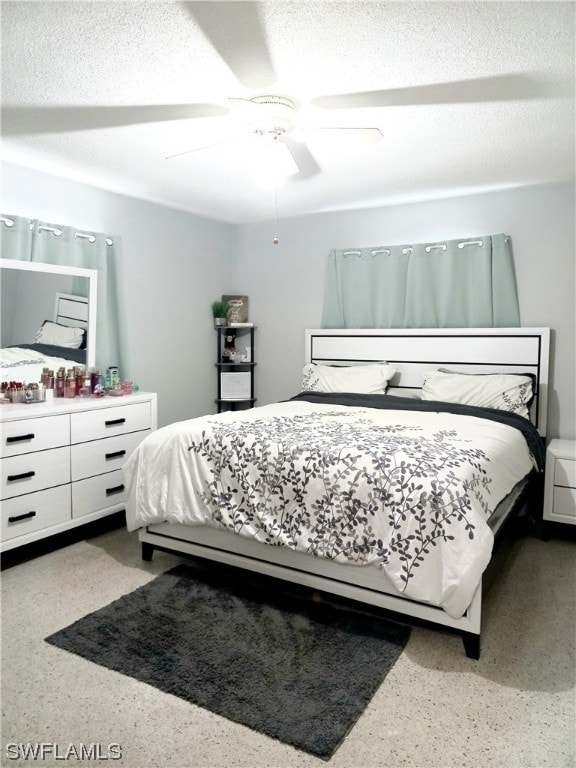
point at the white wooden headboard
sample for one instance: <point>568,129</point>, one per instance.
<point>71,310</point>
<point>417,350</point>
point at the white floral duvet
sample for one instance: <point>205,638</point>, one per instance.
<point>407,491</point>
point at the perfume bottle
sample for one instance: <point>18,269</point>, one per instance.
<point>60,383</point>
<point>70,384</point>
<point>97,382</point>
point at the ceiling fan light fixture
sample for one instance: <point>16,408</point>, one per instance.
<point>272,161</point>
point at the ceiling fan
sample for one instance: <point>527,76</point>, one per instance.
<point>271,121</point>
<point>235,30</point>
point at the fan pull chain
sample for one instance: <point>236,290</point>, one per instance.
<point>275,238</point>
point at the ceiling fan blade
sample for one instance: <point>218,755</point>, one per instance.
<point>303,158</point>
<point>497,88</point>
<point>243,105</point>
<point>30,120</point>
<point>282,159</point>
<point>204,146</point>
<point>346,135</point>
<point>235,30</point>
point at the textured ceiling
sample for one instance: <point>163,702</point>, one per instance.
<point>468,97</point>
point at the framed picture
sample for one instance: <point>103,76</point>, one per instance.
<point>235,385</point>
<point>237,308</point>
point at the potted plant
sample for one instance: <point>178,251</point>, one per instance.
<point>220,312</point>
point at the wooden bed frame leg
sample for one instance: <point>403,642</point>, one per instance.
<point>147,551</point>
<point>471,645</point>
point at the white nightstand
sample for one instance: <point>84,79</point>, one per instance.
<point>560,482</point>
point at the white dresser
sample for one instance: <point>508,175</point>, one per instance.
<point>62,461</point>
<point>560,482</point>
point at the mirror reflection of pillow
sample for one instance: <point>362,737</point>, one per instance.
<point>505,391</point>
<point>59,335</point>
<point>364,379</point>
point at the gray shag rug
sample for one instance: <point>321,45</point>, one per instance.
<point>281,659</point>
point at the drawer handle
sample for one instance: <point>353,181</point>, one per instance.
<point>18,438</point>
<point>25,516</point>
<point>115,455</point>
<point>114,422</point>
<point>116,489</point>
<point>21,476</point>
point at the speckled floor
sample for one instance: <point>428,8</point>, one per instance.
<point>515,708</point>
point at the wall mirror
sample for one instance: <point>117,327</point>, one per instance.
<point>28,298</point>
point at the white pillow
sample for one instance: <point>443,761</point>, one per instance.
<point>59,335</point>
<point>506,391</point>
<point>401,392</point>
<point>365,379</point>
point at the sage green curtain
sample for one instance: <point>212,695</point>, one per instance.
<point>48,243</point>
<point>466,283</point>
<point>16,235</point>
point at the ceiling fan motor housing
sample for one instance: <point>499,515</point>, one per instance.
<point>275,115</point>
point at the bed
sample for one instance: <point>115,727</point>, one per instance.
<point>58,343</point>
<point>391,499</point>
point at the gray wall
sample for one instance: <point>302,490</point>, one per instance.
<point>174,264</point>
<point>285,281</point>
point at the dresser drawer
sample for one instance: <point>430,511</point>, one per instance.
<point>565,502</point>
<point>34,511</point>
<point>565,473</point>
<point>27,435</point>
<point>97,493</point>
<point>99,456</point>
<point>34,471</point>
<point>107,422</point>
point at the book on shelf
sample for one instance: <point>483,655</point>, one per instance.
<point>240,325</point>
<point>238,308</point>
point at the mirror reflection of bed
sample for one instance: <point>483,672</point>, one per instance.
<point>48,318</point>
